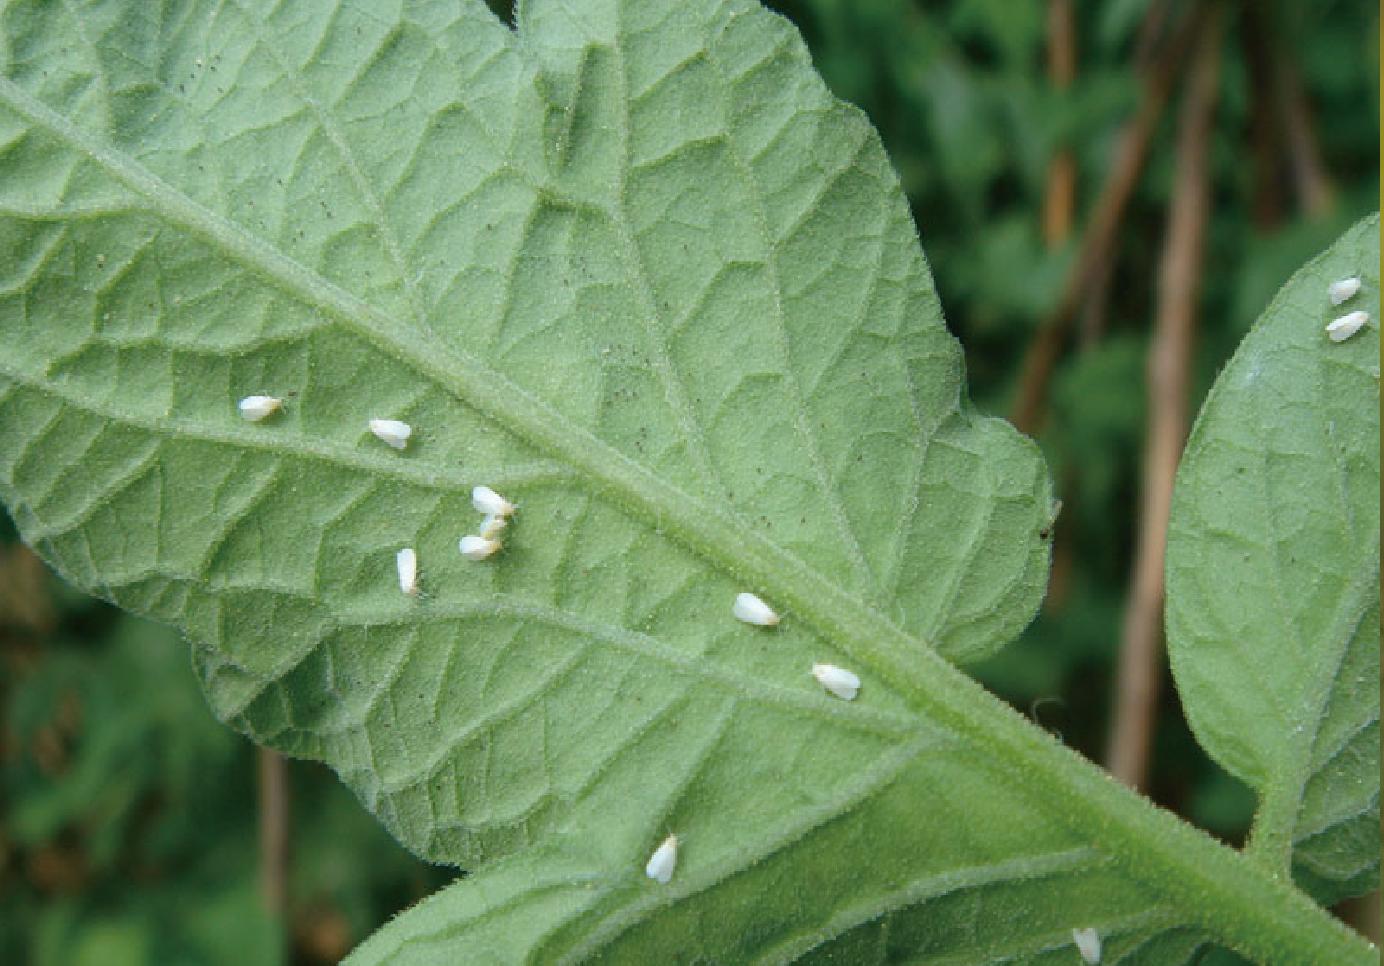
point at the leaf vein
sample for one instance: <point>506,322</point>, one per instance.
<point>855,553</point>
<point>329,126</point>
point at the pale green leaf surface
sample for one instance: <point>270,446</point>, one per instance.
<point>1273,574</point>
<point>904,874</point>
<point>675,256</point>
<point>634,267</point>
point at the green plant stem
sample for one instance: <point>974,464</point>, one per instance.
<point>1271,837</point>
<point>1259,915</point>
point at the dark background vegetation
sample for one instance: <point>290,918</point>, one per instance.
<point>130,819</point>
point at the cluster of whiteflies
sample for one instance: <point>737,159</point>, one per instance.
<point>473,546</point>
<point>496,512</point>
<point>395,434</point>
<point>1342,328</point>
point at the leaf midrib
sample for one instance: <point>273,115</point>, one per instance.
<point>1274,833</point>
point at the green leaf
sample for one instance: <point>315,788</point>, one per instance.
<point>663,292</point>
<point>972,875</point>
<point>1273,575</point>
<point>634,267</point>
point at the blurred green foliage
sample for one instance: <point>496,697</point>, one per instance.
<point>128,820</point>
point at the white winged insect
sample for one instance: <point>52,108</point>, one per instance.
<point>1088,945</point>
<point>1343,289</point>
<point>255,408</point>
<point>752,610</point>
<point>392,432</point>
<point>664,860</point>
<point>492,526</point>
<point>473,547</point>
<point>406,560</point>
<point>1339,330</point>
<point>840,682</point>
<point>487,501</point>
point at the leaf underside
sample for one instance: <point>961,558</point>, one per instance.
<point>1273,573</point>
<point>634,267</point>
